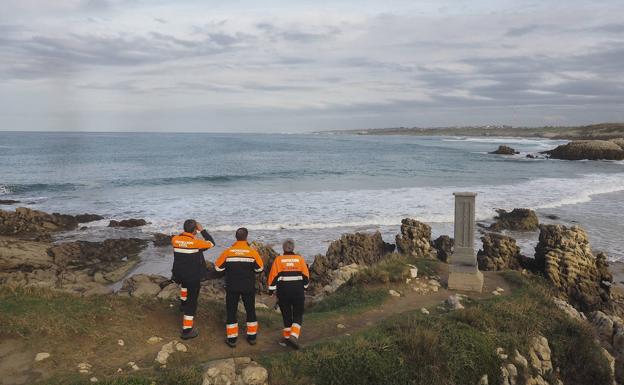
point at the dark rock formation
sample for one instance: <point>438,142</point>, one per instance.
<point>564,256</point>
<point>505,150</point>
<point>444,247</point>
<point>516,220</point>
<point>359,248</point>
<point>92,257</point>
<point>588,149</point>
<point>162,240</point>
<point>32,224</point>
<point>132,222</point>
<point>8,202</point>
<point>499,252</point>
<point>85,218</point>
<point>268,255</point>
<point>415,238</point>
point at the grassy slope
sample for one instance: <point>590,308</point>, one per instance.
<point>449,347</point>
<point>595,131</point>
<point>440,348</point>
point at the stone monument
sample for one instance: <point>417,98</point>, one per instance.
<point>463,271</point>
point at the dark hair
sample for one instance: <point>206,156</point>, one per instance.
<point>190,225</point>
<point>241,234</point>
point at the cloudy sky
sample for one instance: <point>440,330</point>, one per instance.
<point>289,66</point>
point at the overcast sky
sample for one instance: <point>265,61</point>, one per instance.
<point>290,66</point>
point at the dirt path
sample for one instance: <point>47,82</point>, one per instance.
<point>101,348</point>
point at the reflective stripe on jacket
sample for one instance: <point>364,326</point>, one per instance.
<point>240,262</point>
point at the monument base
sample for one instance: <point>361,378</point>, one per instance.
<point>465,278</point>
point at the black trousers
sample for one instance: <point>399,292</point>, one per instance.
<point>291,305</point>
<point>189,307</point>
<point>249,301</point>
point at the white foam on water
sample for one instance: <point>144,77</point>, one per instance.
<point>369,208</point>
<point>4,190</point>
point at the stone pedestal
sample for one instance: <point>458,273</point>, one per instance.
<point>463,271</point>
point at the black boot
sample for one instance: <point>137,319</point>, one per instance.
<point>252,339</point>
<point>231,342</point>
<point>293,342</point>
<point>187,335</point>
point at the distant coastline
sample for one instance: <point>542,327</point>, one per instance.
<point>601,131</point>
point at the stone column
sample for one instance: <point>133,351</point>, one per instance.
<point>463,271</point>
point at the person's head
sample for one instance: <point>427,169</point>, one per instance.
<point>241,234</point>
<point>190,225</point>
<point>288,246</point>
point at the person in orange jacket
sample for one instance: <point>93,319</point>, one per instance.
<point>241,263</point>
<point>189,267</point>
<point>289,276</point>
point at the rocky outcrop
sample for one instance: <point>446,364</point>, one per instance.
<point>444,247</point>
<point>162,240</point>
<point>359,248</point>
<point>33,224</point>
<point>86,218</point>
<point>610,330</point>
<point>238,370</point>
<point>8,202</point>
<point>564,256</point>
<point>537,369</point>
<point>619,142</point>
<point>268,255</point>
<point>516,220</point>
<point>415,238</point>
<point>112,258</point>
<point>505,150</point>
<point>145,286</point>
<point>499,252</point>
<point>588,149</point>
<point>132,222</point>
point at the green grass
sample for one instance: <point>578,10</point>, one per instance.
<point>191,375</point>
<point>395,268</point>
<point>448,348</point>
<point>349,299</point>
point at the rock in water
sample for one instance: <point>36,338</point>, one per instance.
<point>8,202</point>
<point>619,142</point>
<point>588,149</point>
<point>32,224</point>
<point>359,248</point>
<point>162,240</point>
<point>415,238</point>
<point>132,222</point>
<point>565,257</point>
<point>444,247</point>
<point>499,252</point>
<point>85,218</point>
<point>505,150</point>
<point>516,220</point>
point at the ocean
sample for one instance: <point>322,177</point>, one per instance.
<point>310,187</point>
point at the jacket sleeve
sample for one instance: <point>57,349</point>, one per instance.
<point>220,262</point>
<point>305,272</point>
<point>208,237</point>
<point>259,264</point>
<point>272,280</point>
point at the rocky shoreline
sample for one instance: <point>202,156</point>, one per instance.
<point>581,283</point>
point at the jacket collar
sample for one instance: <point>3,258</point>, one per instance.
<point>188,234</point>
<point>240,243</point>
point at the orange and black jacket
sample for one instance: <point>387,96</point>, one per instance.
<point>188,256</point>
<point>240,262</point>
<point>289,273</point>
